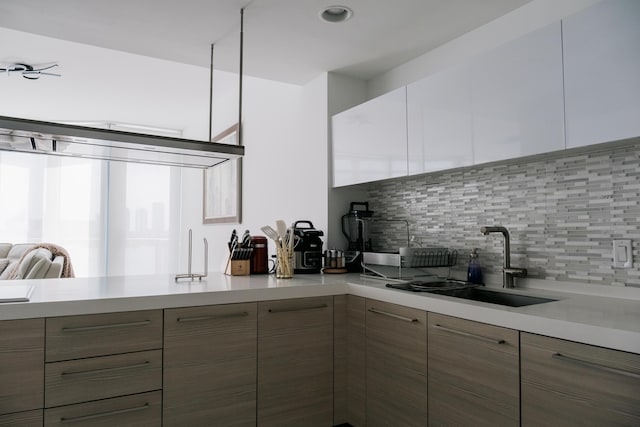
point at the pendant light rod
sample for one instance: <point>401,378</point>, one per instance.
<point>240,78</point>
<point>211,95</point>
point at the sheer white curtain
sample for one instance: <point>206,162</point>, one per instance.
<point>113,218</point>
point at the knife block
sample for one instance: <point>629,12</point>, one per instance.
<point>239,267</point>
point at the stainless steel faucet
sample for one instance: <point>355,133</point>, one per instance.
<point>508,272</point>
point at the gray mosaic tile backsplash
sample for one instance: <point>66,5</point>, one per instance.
<point>563,212</point>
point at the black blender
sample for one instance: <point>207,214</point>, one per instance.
<point>355,229</point>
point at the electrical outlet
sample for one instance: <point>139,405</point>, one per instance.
<point>622,255</point>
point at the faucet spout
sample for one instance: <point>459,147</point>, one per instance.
<point>508,272</point>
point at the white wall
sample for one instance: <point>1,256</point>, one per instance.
<point>285,166</point>
<point>530,17</point>
<point>284,126</point>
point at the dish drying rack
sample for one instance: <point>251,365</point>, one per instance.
<point>407,263</point>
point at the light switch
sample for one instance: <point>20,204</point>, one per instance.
<point>622,256</point>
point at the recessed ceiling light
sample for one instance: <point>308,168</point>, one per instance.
<point>335,14</point>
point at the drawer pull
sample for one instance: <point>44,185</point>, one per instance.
<point>212,317</point>
<point>470,335</point>
<point>104,414</point>
<point>395,316</point>
<point>594,365</point>
<point>110,326</point>
<point>104,370</point>
<point>286,310</point>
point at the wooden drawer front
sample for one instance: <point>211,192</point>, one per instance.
<point>210,365</point>
<point>21,365</point>
<point>22,419</point>
<point>396,382</point>
<point>74,337</point>
<point>138,410</point>
<point>571,384</point>
<point>473,373</point>
<point>96,378</point>
<point>295,362</point>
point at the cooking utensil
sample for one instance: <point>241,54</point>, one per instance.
<point>281,226</point>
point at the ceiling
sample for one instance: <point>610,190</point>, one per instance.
<point>284,40</point>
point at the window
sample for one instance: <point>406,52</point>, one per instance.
<point>113,218</point>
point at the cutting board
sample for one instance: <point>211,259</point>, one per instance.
<point>15,293</point>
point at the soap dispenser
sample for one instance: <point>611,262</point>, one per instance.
<point>474,272</point>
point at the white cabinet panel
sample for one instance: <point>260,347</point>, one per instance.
<point>370,140</point>
<point>602,73</point>
<point>517,97</point>
<point>439,122</point>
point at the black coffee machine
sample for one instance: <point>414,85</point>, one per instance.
<point>355,227</point>
<point>307,248</point>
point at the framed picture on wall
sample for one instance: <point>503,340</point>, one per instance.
<point>222,196</point>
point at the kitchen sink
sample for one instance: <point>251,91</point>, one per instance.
<point>492,297</point>
<point>465,290</point>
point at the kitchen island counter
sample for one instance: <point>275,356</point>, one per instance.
<point>590,319</point>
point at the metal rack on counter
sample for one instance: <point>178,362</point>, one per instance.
<point>407,263</point>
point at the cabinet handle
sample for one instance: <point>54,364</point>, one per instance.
<point>594,365</point>
<point>469,335</point>
<point>212,317</point>
<point>395,316</point>
<point>110,326</point>
<point>104,414</point>
<point>103,370</point>
<point>286,310</point>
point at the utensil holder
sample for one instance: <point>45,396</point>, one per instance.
<point>284,267</point>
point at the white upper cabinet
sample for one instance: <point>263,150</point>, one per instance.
<point>517,97</point>
<point>602,73</point>
<point>370,140</point>
<point>439,121</point>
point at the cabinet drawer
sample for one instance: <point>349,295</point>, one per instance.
<point>566,383</point>
<point>96,378</point>
<point>139,410</point>
<point>21,365</point>
<point>22,419</point>
<point>75,337</point>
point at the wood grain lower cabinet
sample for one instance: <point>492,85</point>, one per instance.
<point>396,365</point>
<point>473,373</point>
<point>22,419</point>
<point>570,384</point>
<point>210,366</point>
<point>138,410</point>
<point>94,378</point>
<point>21,366</point>
<point>295,362</point>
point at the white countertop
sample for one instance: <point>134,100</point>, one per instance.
<point>597,320</point>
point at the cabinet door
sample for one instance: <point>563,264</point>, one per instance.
<point>473,373</point>
<point>370,140</point>
<point>396,365</point>
<point>571,384</point>
<point>21,365</point>
<point>439,122</point>
<point>295,362</point>
<point>210,365</point>
<point>356,359</point>
<point>602,73</point>
<point>517,98</point>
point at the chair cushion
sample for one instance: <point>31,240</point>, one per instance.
<point>35,264</point>
<point>4,249</point>
<point>3,264</point>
